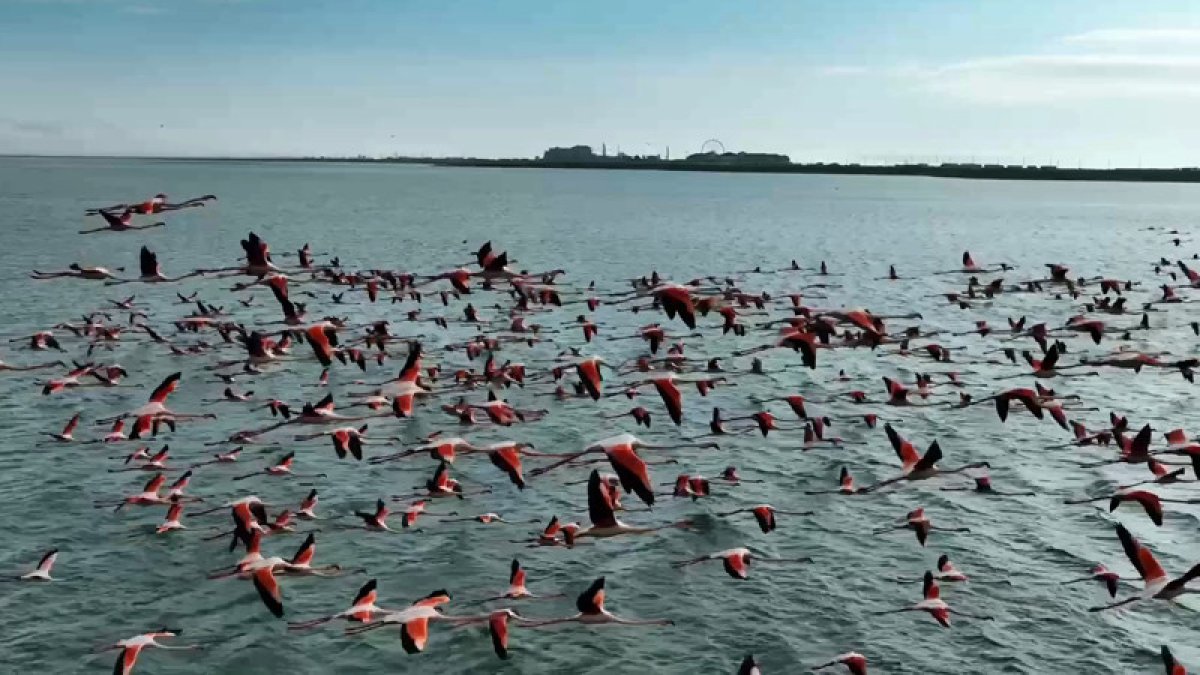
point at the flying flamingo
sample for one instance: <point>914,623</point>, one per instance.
<point>362,609</point>
<point>765,514</point>
<point>68,433</point>
<point>621,452</point>
<point>1158,585</point>
<point>516,587</point>
<point>283,467</point>
<point>263,572</point>
<point>149,496</point>
<point>345,440</point>
<point>121,223</point>
<point>414,621</point>
<point>156,407</point>
<point>172,522</point>
<point>918,522</point>
<point>924,468</point>
<point>1100,573</point>
<point>737,561</point>
<point>41,572</point>
<point>1150,502</point>
<point>132,647</point>
<point>856,664</point>
<point>1162,475</point>
<point>591,611</point>
<point>933,604</point>
<point>946,573</point>
<point>846,485</point>
<point>77,271</point>
<point>983,485</point>
<point>604,520</point>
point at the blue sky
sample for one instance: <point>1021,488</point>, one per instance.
<point>1070,82</point>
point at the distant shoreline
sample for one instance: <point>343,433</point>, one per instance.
<point>988,172</point>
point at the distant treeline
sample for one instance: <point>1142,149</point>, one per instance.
<point>1188,175</point>
<point>985,171</point>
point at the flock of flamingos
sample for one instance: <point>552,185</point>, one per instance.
<point>506,311</point>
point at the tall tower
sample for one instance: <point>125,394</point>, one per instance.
<point>604,149</point>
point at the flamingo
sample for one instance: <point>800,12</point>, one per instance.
<point>923,468</point>
<point>516,586</point>
<point>67,435</point>
<point>283,467</point>
<point>856,664</point>
<point>346,440</point>
<point>172,522</point>
<point>132,647</point>
<point>918,522</point>
<point>946,573</point>
<point>362,609</point>
<point>602,514</point>
<point>1158,586</point>
<point>933,604</point>
<point>765,514</point>
<point>737,561</point>
<point>846,485</point>
<point>262,573</point>
<point>621,452</point>
<point>119,223</point>
<point>1100,573</point>
<point>1150,502</point>
<point>40,573</point>
<point>591,611</point>
<point>414,621</point>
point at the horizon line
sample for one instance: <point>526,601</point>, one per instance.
<point>417,159</point>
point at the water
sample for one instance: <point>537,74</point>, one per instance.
<point>607,226</point>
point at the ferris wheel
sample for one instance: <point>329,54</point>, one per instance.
<point>714,146</point>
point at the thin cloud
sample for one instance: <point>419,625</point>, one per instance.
<point>1037,78</point>
<point>1137,37</point>
<point>835,71</point>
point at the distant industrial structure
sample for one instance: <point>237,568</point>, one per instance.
<point>584,154</point>
<point>713,157</point>
<point>740,158</point>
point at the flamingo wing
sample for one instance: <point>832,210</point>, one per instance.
<point>930,590</point>
<point>164,389</point>
<point>414,634</point>
<point>508,460</point>
<point>904,450</point>
<point>366,595</point>
<point>126,660</point>
<point>268,589</point>
<point>70,428</point>
<point>930,459</point>
<point>1140,557</point>
<point>498,629</point>
<point>589,374</point>
<point>591,601</point>
<point>412,365</point>
<point>600,507</point>
<point>672,398</point>
<point>634,475</point>
<point>736,565</point>
<point>306,552</point>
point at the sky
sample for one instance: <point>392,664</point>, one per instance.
<point>1066,82</point>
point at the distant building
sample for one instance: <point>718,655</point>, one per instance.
<point>739,158</point>
<point>575,153</point>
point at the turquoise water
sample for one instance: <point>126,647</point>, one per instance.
<point>118,580</point>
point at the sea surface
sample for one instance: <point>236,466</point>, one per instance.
<point>118,579</point>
